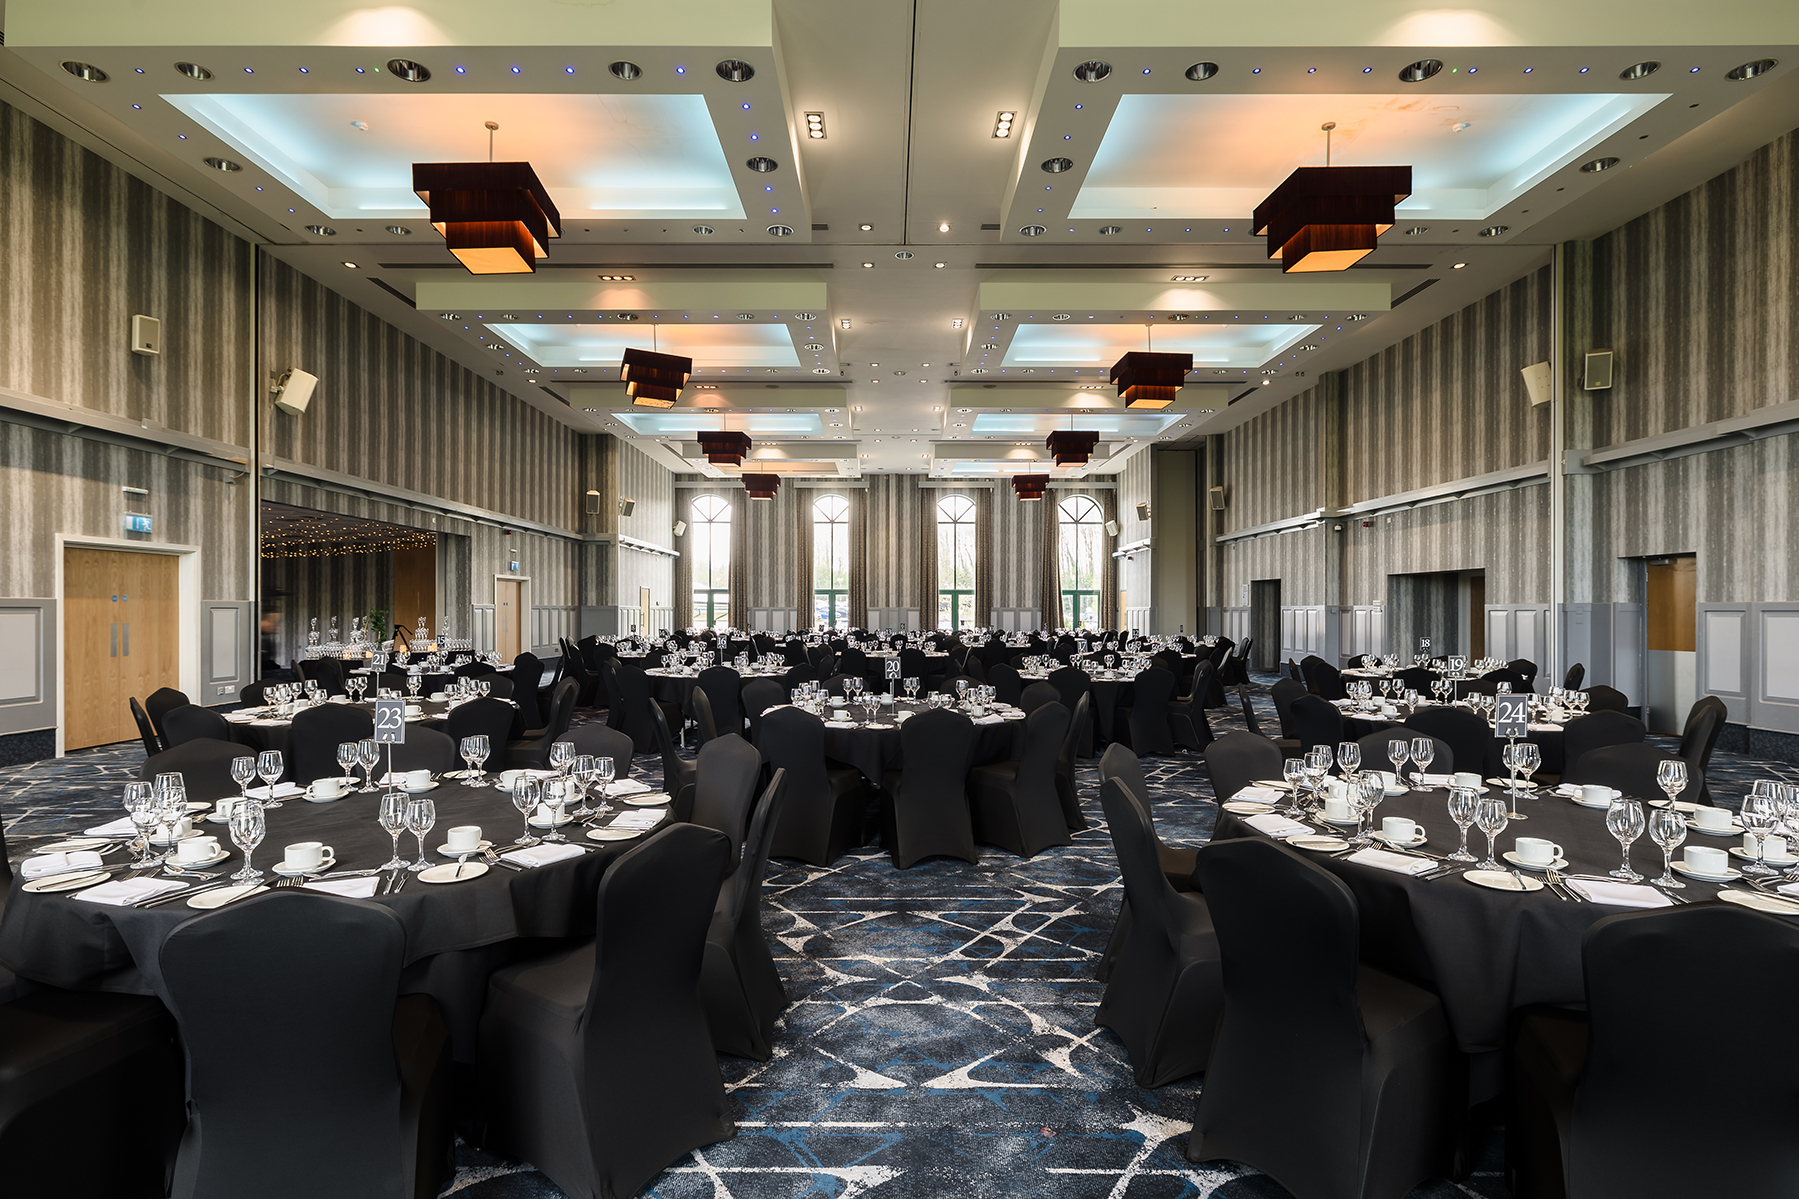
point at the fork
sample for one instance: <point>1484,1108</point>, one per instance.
<point>492,858</point>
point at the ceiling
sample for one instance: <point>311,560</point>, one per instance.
<point>290,532</point>
<point>911,291</point>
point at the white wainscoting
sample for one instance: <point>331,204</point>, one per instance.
<point>481,630</point>
<point>1748,656</point>
<point>28,666</point>
<point>774,620</point>
<point>1236,624</point>
<point>227,663</point>
<point>549,622</point>
<point>1142,619</point>
<point>1302,632</point>
<point>1364,630</point>
<point>894,619</point>
<point>1521,631</point>
<point>1018,620</point>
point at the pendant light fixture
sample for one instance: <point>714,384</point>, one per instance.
<point>1147,380</point>
<point>1070,447</point>
<point>655,380</point>
<point>1330,218</point>
<point>495,217</point>
<point>725,447</point>
<point>761,487</point>
<point>1030,487</point>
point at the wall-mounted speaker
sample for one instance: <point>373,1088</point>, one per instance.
<point>1598,375</point>
<point>1111,528</point>
<point>1537,382</point>
<point>1142,511</point>
<point>680,528</point>
<point>293,391</point>
<point>1216,495</point>
<point>146,336</point>
<point>593,503</point>
<point>626,507</point>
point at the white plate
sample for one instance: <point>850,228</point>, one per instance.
<point>654,800</point>
<point>1598,807</point>
<point>1352,822</point>
<point>615,834</point>
<point>165,842</point>
<point>1421,839</point>
<point>1682,804</point>
<point>198,805</point>
<point>1775,904</point>
<point>1506,784</point>
<point>64,882</point>
<point>1277,784</point>
<point>214,860</point>
<point>218,898</point>
<point>1246,807</point>
<point>560,821</point>
<point>1512,857</point>
<point>286,871</point>
<point>1496,880</point>
<point>1319,844</point>
<point>448,873</point>
<point>1736,829</point>
<point>1737,851</point>
<point>75,843</point>
<point>447,852</point>
<point>462,774</point>
<point>1680,867</point>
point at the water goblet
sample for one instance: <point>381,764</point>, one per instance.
<point>911,686</point>
<point>585,770</point>
<point>367,754</point>
<point>1363,799</point>
<point>605,770</point>
<point>467,749</point>
<point>346,757</point>
<point>1760,813</point>
<point>1462,801</point>
<point>1512,754</point>
<point>421,815</point>
<point>413,683</point>
<point>562,753</point>
<point>1399,752</point>
<point>393,822</point>
<point>1424,749</point>
<point>248,826</point>
<point>242,771</point>
<point>1491,818</point>
<point>1293,770</point>
<point>1668,828</point>
<point>1624,820</point>
<point>524,798</point>
<point>1671,777</point>
<point>1349,757</point>
<point>143,807</point>
<point>1318,764</point>
<point>269,767</point>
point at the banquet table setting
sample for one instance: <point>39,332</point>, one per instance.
<point>1545,729</point>
<point>866,735</point>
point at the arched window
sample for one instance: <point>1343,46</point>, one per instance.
<point>831,561</point>
<point>710,542</point>
<point>955,562</point>
<point>1081,561</point>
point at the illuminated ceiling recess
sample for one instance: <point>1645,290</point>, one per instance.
<point>761,487</point>
<point>724,447</point>
<point>495,217</point>
<point>1146,379</point>
<point>1030,487</point>
<point>1330,218</point>
<point>653,380</point>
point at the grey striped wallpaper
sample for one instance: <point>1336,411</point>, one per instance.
<point>299,589</point>
<point>1296,558</point>
<point>1018,550</point>
<point>1271,464</point>
<point>653,520</point>
<point>1502,534</point>
<point>894,534</point>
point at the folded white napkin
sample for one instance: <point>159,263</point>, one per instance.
<point>1545,728</point>
<point>1343,703</point>
<point>1260,794</point>
<point>1789,889</point>
<point>1619,895</point>
<point>629,787</point>
<point>1398,863</point>
<point>1276,825</point>
<point>840,724</point>
<point>995,719</point>
<point>1436,780</point>
<point>124,891</point>
<point>240,718</point>
<point>112,828</point>
<point>271,724</point>
<point>542,855</point>
<point>44,865</point>
<point>355,888</point>
<point>642,818</point>
<point>1568,791</point>
<point>281,791</point>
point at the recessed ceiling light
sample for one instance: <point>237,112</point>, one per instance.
<point>399,231</point>
<point>761,165</point>
<point>780,230</point>
<point>1494,230</point>
<point>1418,72</point>
<point>405,68</point>
<point>619,278</point>
<point>85,70</point>
<point>1057,166</point>
<point>1415,230</point>
<point>1749,70</point>
<point>1173,316</point>
<point>223,164</point>
<point>814,346</point>
<point>1190,278</point>
<point>1031,231</point>
<point>845,323</point>
<point>627,316</point>
<point>1002,124</point>
<point>1640,70</point>
<point>1356,316</point>
<point>866,228</point>
<point>735,70</point>
<point>1092,71</point>
<point>903,254</point>
<point>815,125</point>
<point>938,265</point>
<point>1598,164</point>
<point>1460,265</point>
<point>1061,316</point>
<point>1199,72</point>
<point>351,265</point>
<point>1109,230</point>
<point>321,230</point>
<point>703,230</point>
<point>625,69</point>
<point>943,226</point>
<point>194,70</point>
<point>956,323</point>
<point>867,266</point>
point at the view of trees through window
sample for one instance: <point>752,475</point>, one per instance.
<point>831,561</point>
<point>1080,561</point>
<point>955,562</point>
<point>709,542</point>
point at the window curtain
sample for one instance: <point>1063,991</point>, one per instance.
<point>737,589</point>
<point>802,552</point>
<point>859,556</point>
<point>983,558</point>
<point>683,599</point>
<point>927,561</point>
<point>1109,615</point>
<point>1052,561</point>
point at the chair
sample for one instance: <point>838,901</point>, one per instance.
<point>822,813</point>
<point>587,682</point>
<point>489,717</point>
<point>1187,722</point>
<point>599,741</point>
<point>722,685</point>
<point>1601,698</point>
<point>1630,768</point>
<point>1577,674</point>
<point>1121,764</point>
<point>1237,759</point>
<point>1238,672</point>
<point>1036,695</point>
<point>924,808</point>
<point>162,701</point>
<point>759,695</point>
<point>1356,662</point>
<point>316,733</point>
<point>1505,674</point>
<point>793,653</point>
<point>1593,1108</point>
<point>633,711</point>
<point>740,989</point>
<point>1146,723</point>
<point>1322,679</point>
<point>1284,692</point>
<point>527,673</point>
<point>700,704</point>
<point>1335,1079</point>
<point>1374,750</point>
<point>328,673</point>
<point>1526,668</point>
<point>1065,780</point>
<point>1014,804</point>
<point>146,731</point>
<point>1293,671</point>
<point>1705,721</point>
<point>90,1094</point>
<point>724,786</point>
<point>1071,682</point>
<point>204,765</point>
<point>1596,730</point>
<point>1317,723</point>
<point>498,685</point>
<point>1163,990</point>
<point>854,663</point>
<point>914,664</point>
<point>286,978</point>
<point>600,1113</point>
<point>1416,678</point>
<point>677,772</point>
<point>532,751</point>
<point>1287,745</point>
<point>427,749</point>
<point>191,721</point>
<point>1007,686</point>
<point>1469,737</point>
<point>1208,692</point>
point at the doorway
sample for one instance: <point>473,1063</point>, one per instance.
<point>1265,623</point>
<point>508,612</point>
<point>1671,589</point>
<point>121,639</point>
<point>1474,613</point>
<point>415,587</point>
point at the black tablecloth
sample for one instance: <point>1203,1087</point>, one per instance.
<point>1109,695</point>
<point>264,736</point>
<point>1549,743</point>
<point>874,752</point>
<point>1487,952</point>
<point>678,689</point>
<point>455,933</point>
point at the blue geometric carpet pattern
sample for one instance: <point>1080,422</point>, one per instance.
<point>940,1040</point>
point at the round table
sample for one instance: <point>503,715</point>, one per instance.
<point>677,688</point>
<point>1487,952</point>
<point>278,734</point>
<point>1548,738</point>
<point>456,934</point>
<point>1109,695</point>
<point>876,751</point>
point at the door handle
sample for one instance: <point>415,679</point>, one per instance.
<point>128,639</point>
<point>115,639</point>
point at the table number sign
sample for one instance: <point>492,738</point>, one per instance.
<point>390,722</point>
<point>1511,716</point>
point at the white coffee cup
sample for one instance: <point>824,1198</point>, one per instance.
<point>224,807</point>
<point>562,790</point>
<point>1465,778</point>
<point>307,855</point>
<point>197,849</point>
<point>1336,808</point>
<point>1773,847</point>
<point>414,710</point>
<point>1337,789</point>
<point>1717,819</point>
<point>1703,859</point>
<point>543,814</point>
<point>416,780</point>
<point>438,697</point>
<point>1595,793</point>
<point>327,788</point>
<point>509,778</point>
<point>463,838</point>
<point>1389,780</point>
<point>1536,850</point>
<point>183,828</point>
<point>1400,829</point>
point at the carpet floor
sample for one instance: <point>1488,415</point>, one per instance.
<point>941,1038</point>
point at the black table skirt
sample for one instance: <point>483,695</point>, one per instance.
<point>1549,745</point>
<point>1487,952</point>
<point>260,737</point>
<point>1109,696</point>
<point>455,933</point>
<point>875,752</point>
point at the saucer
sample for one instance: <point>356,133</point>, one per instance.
<point>1512,857</point>
<point>561,820</point>
<point>286,871</point>
<point>1318,844</point>
<point>218,898</point>
<point>214,860</point>
<point>1352,822</point>
<point>1682,804</point>
<point>1737,851</point>
<point>1603,804</point>
<point>1421,839</point>
<point>311,798</point>
<point>1497,880</point>
<point>71,844</point>
<point>165,842</point>
<point>448,873</point>
<point>1681,867</point>
<point>480,846</point>
<point>1736,829</point>
<point>64,882</point>
<point>418,790</point>
<point>1246,807</point>
<point>1762,903</point>
<point>615,834</point>
<point>198,805</point>
<point>654,800</point>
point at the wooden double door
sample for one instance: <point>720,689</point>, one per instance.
<point>121,638</point>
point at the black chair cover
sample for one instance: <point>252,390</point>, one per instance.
<point>1187,723</point>
<point>289,977</point>
<point>1576,675</point>
<point>740,988</point>
<point>1036,695</point>
<point>724,786</point>
<point>1525,668</point>
<point>204,765</point>
<point>1284,692</point>
<point>1237,758</point>
<point>1322,679</point>
<point>488,717</point>
<point>793,653</point>
<point>1601,698</point>
<point>1335,1079</point>
<point>1146,725</point>
<point>532,752</point>
<point>426,749</point>
<point>1008,688</point>
<point>1121,764</point>
<point>162,701</point>
<point>914,665</point>
<point>146,731</point>
<point>596,1062</point>
<point>328,673</point>
<point>759,695</point>
<point>1629,768</point>
<point>1208,692</point>
<point>527,674</point>
<point>706,728</point>
<point>632,715</point>
<point>1163,990</point>
<point>602,742</point>
<point>722,685</point>
<point>1596,730</point>
<point>1252,722</point>
<point>1469,737</point>
<point>1065,779</point>
<point>1071,682</point>
<point>822,812</point>
<point>316,733</point>
<point>1705,721</point>
<point>191,721</point>
<point>1416,678</point>
<point>677,772</point>
<point>1014,804</point>
<point>1316,722</point>
<point>924,809</point>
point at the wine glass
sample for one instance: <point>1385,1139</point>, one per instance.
<point>1399,752</point>
<point>368,754</point>
<point>561,754</point>
<point>143,807</point>
<point>1512,754</point>
<point>248,826</point>
<point>421,815</point>
<point>413,682</point>
<point>604,770</point>
<point>242,771</point>
<point>1293,770</point>
<point>346,758</point>
<point>1424,749</point>
<point>1671,777</point>
<point>585,770</point>
<point>524,797</point>
<point>911,685</point>
<point>1462,801</point>
<point>1624,820</point>
<point>1668,828</point>
<point>269,767</point>
<point>554,800</point>
<point>1349,757</point>
<point>393,822</point>
<point>1363,799</point>
<point>470,750</point>
<point>1760,814</point>
<point>1490,817</point>
<point>1318,764</point>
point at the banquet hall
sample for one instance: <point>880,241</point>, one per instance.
<point>1302,704</point>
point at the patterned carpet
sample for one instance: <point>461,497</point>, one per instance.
<point>941,1039</point>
